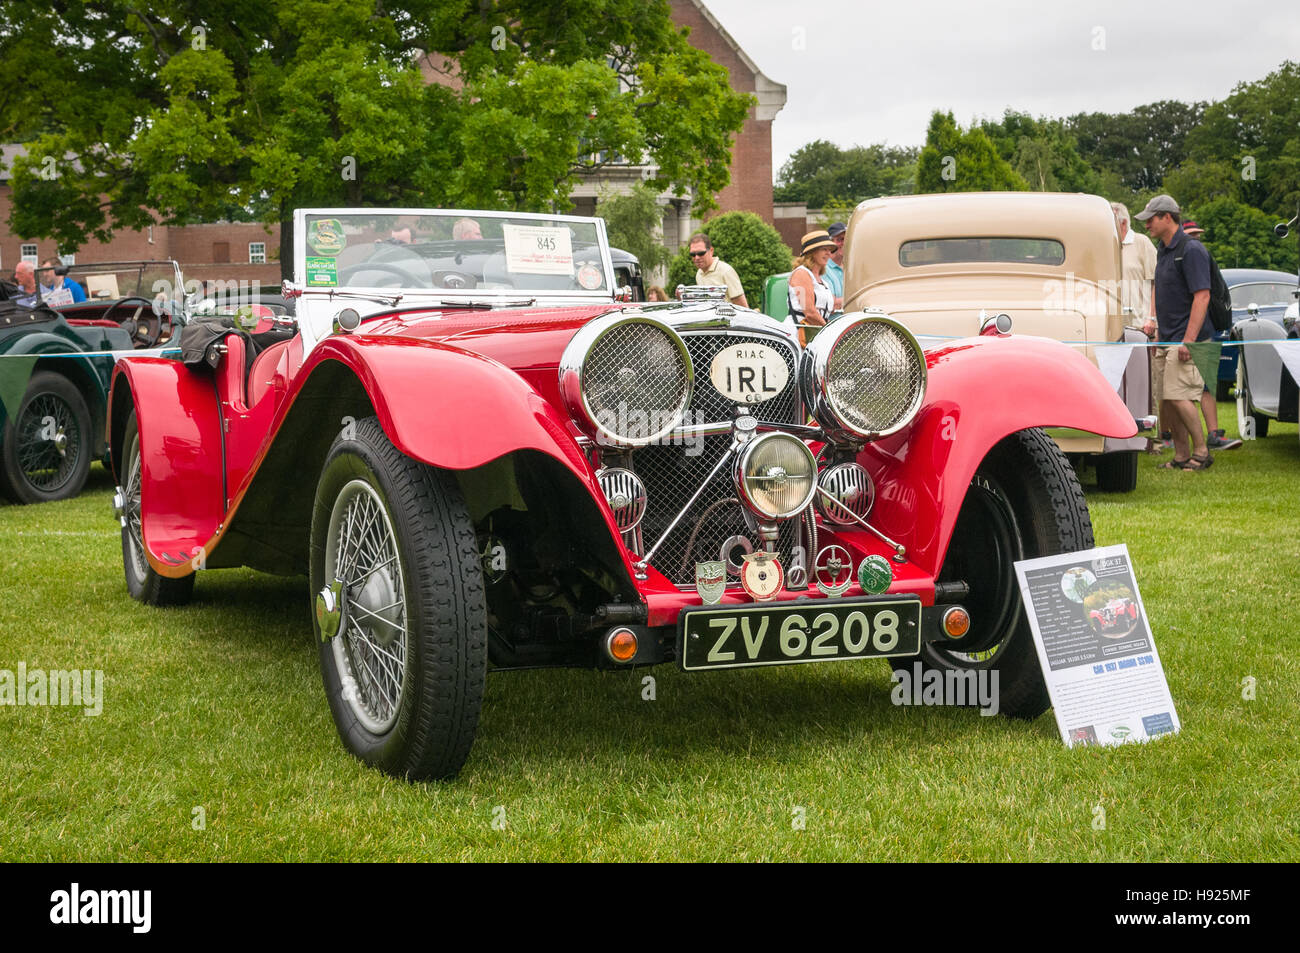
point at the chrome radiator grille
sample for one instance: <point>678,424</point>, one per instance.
<point>673,473</point>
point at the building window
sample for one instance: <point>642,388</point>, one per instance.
<point>257,253</point>
<point>68,260</point>
<point>29,253</point>
<point>221,251</point>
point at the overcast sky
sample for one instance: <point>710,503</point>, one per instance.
<point>863,72</point>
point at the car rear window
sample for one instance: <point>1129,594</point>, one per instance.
<point>1262,294</point>
<point>943,251</point>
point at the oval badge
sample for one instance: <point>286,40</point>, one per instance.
<point>749,373</point>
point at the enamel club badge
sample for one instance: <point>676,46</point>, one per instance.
<point>711,581</point>
<point>833,570</point>
<point>762,576</point>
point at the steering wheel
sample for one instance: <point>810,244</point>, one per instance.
<point>146,331</point>
<point>407,280</point>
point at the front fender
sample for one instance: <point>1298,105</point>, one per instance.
<point>180,455</point>
<point>979,391</point>
<point>449,407</point>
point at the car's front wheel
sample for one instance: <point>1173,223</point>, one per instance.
<point>1024,501</point>
<point>142,581</point>
<point>45,448</point>
<point>400,607</point>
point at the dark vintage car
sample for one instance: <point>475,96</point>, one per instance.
<point>55,365</point>
<point>1255,291</point>
<point>480,458</point>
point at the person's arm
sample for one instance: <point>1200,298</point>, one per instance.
<point>1200,304</point>
<point>735,290</point>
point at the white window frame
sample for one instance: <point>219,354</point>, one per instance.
<point>32,256</point>
<point>257,258</point>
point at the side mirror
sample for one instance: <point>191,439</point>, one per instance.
<point>347,321</point>
<point>997,325</point>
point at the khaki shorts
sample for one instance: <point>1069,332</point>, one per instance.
<point>1180,380</point>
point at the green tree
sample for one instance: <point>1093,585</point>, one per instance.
<point>1043,152</point>
<point>745,242</point>
<point>1239,236</point>
<point>1140,146</point>
<point>633,220</point>
<point>1199,183</point>
<point>956,160</point>
<point>1254,131</point>
<point>245,110</point>
<point>821,173</point>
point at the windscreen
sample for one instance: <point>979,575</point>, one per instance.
<point>453,253</point>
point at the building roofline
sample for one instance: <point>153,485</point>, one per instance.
<point>771,95</point>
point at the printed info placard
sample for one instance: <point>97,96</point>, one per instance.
<point>1098,656</point>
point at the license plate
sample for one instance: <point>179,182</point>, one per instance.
<point>789,633</point>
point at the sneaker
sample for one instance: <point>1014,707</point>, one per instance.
<point>1217,441</point>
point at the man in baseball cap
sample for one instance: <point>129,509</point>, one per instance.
<point>1160,204</point>
<point>1182,296</point>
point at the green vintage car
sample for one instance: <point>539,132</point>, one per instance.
<point>55,365</point>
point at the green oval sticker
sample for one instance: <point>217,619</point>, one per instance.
<point>875,575</point>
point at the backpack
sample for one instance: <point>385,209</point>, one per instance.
<point>1219,311</point>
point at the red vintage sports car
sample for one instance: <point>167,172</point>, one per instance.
<point>1116,614</point>
<point>482,456</point>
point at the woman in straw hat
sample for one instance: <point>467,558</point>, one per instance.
<point>811,298</point>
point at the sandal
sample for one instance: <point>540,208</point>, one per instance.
<point>1199,463</point>
<point>1177,465</point>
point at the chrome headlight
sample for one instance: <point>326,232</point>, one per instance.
<point>627,379</point>
<point>863,376</point>
<point>776,475</point>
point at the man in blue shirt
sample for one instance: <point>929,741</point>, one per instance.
<point>51,282</point>
<point>1182,296</point>
<point>835,267</point>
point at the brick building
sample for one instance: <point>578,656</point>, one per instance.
<point>250,252</point>
<point>222,251</point>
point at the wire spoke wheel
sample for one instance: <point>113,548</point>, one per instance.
<point>47,443</point>
<point>371,648</point>
<point>400,605</point>
<point>143,582</point>
<point>1024,501</point>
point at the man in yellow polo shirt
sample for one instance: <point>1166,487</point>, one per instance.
<point>711,270</point>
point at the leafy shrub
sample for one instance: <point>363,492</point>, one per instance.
<point>745,242</point>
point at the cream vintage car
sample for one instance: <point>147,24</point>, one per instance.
<point>959,264</point>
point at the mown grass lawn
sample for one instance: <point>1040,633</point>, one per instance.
<point>218,706</point>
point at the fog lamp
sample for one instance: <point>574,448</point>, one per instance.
<point>776,475</point>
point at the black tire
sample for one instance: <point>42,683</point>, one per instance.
<point>1024,501</point>
<point>1222,391</point>
<point>1118,472</point>
<point>408,705</point>
<point>45,448</point>
<point>142,581</point>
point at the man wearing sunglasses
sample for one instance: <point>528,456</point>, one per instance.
<point>711,270</point>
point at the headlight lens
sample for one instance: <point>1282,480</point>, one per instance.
<point>776,475</point>
<point>628,378</point>
<point>864,376</point>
